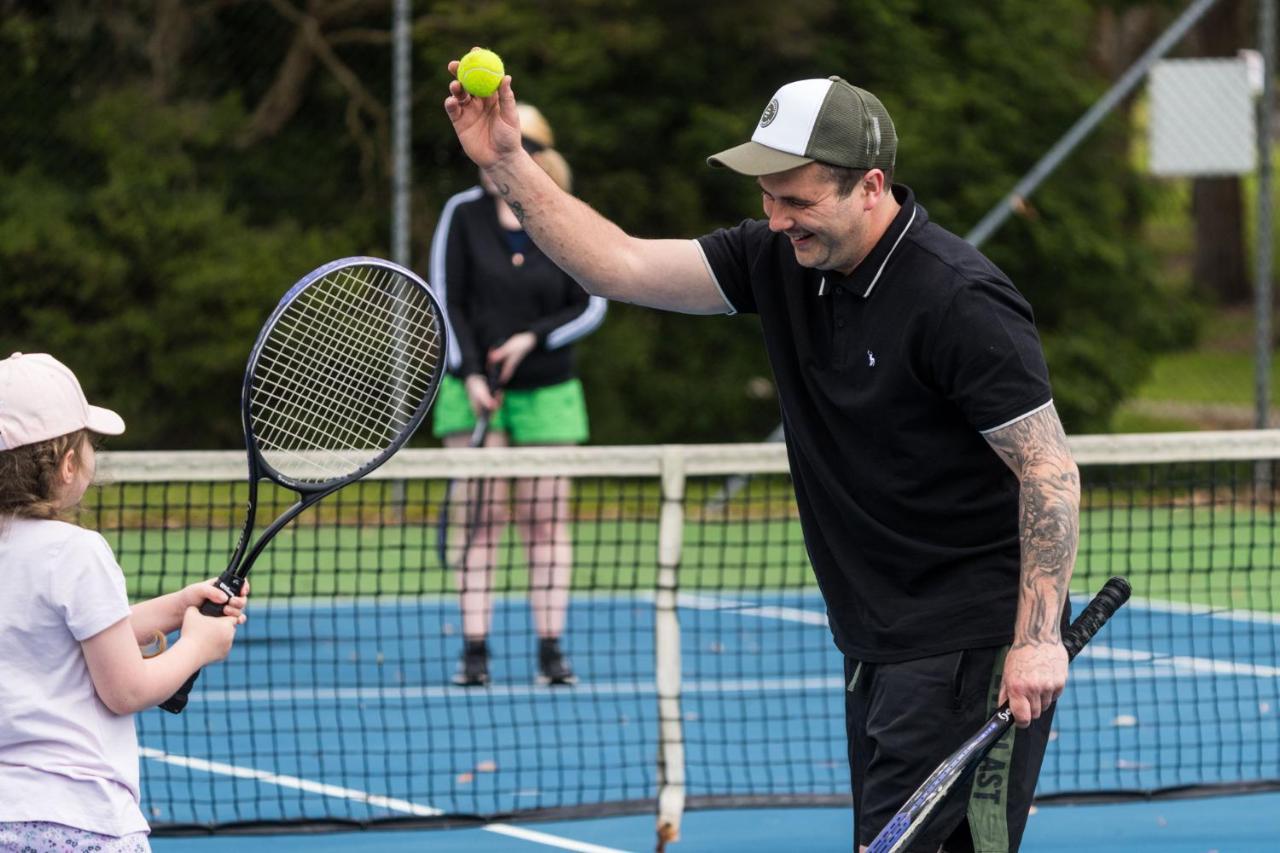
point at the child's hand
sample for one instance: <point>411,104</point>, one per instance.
<point>211,635</point>
<point>198,593</point>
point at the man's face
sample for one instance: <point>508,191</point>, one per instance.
<point>826,232</point>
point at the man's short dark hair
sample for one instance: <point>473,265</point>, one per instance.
<point>846,179</point>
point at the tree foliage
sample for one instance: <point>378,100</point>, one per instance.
<point>169,168</point>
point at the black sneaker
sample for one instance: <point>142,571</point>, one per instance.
<point>473,667</point>
<point>553,666</point>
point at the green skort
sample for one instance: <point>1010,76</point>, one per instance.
<point>555,414</point>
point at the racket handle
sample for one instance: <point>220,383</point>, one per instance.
<point>1109,599</point>
<point>231,586</point>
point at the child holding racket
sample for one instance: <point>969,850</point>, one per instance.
<point>514,316</point>
<point>72,671</point>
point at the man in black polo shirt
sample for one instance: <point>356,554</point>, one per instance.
<point>938,498</point>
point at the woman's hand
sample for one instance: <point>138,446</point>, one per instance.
<point>505,358</point>
<point>481,396</point>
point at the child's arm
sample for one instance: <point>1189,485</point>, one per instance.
<point>126,683</point>
<point>164,613</point>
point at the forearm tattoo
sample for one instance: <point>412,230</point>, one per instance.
<point>516,207</point>
<point>1049,520</point>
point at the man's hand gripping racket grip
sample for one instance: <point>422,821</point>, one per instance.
<point>231,585</point>
<point>916,812</point>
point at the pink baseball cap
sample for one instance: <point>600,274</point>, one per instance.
<point>40,399</point>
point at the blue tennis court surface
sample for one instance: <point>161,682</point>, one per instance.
<point>1235,824</point>
<point>1168,696</point>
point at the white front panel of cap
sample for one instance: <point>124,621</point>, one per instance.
<point>788,120</point>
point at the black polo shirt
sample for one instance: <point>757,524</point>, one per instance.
<point>887,379</point>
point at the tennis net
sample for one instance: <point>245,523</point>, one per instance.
<point>707,674</point>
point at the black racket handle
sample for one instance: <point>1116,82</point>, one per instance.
<point>1109,599</point>
<point>231,586</point>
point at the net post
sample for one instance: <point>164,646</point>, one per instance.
<point>671,767</point>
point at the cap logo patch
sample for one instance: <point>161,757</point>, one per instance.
<point>875,136</point>
<point>770,113</point>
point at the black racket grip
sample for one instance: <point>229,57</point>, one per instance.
<point>1104,605</point>
<point>231,586</point>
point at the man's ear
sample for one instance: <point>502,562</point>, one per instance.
<point>874,186</point>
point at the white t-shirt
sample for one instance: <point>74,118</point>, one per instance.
<point>64,756</point>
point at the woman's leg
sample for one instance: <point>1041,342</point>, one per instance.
<point>478,515</point>
<point>542,514</point>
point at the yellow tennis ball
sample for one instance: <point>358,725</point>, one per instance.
<point>480,72</point>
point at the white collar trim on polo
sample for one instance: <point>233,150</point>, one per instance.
<point>892,249</point>
<point>822,283</point>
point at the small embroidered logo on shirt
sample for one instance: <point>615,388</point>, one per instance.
<point>871,359</point>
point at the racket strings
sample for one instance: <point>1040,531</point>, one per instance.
<point>349,369</point>
<point>355,415</point>
<point>352,388</point>
<point>343,371</point>
<point>406,327</point>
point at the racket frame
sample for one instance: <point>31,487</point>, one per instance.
<point>232,579</point>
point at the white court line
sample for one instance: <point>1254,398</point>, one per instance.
<point>1150,665</point>
<point>1158,665</point>
<point>1181,664</point>
<point>715,602</point>
<point>1158,605</point>
<point>587,689</point>
<point>819,617</point>
<point>549,840</point>
<point>761,611</point>
<point>388,803</point>
<point>268,778</point>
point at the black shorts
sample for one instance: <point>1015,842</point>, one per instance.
<point>904,718</point>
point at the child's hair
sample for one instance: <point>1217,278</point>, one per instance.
<point>29,476</point>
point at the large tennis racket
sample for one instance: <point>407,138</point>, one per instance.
<point>341,375</point>
<point>915,814</point>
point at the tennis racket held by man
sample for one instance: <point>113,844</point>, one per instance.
<point>341,375</point>
<point>914,815</point>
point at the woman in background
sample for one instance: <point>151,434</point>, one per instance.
<point>514,318</point>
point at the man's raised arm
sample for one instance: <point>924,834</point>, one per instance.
<point>605,260</point>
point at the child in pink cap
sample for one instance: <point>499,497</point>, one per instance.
<point>72,672</point>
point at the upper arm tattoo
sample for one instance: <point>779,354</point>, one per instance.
<point>1049,518</point>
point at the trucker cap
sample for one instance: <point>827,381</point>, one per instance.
<point>829,121</point>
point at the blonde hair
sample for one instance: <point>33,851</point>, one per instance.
<point>554,164</point>
<point>29,477</point>
<point>534,126</point>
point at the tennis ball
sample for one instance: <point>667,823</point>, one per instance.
<point>480,72</point>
